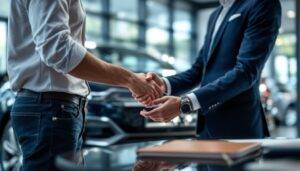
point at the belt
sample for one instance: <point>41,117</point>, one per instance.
<point>79,100</point>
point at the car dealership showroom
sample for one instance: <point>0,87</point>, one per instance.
<point>149,85</point>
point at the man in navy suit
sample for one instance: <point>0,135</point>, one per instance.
<point>240,36</point>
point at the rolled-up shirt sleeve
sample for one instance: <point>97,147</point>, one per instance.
<point>49,22</point>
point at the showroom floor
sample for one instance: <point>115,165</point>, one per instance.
<point>287,132</point>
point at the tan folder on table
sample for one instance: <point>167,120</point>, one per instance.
<point>214,151</point>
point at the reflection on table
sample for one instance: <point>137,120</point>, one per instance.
<point>123,157</point>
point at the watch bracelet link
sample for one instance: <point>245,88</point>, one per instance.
<point>186,100</point>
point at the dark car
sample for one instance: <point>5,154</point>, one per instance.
<point>282,102</point>
<point>113,115</point>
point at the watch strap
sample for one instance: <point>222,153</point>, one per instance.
<point>185,100</point>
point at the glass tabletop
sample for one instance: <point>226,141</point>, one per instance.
<point>123,158</point>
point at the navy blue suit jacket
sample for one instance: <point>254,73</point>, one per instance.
<point>228,76</point>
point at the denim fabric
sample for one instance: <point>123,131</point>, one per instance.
<point>45,129</point>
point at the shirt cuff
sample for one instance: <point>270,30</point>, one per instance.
<point>195,102</point>
<point>169,89</point>
<point>77,54</point>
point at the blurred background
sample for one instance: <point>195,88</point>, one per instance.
<point>163,36</point>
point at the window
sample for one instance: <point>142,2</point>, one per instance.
<point>157,34</point>
<point>139,63</point>
<point>3,34</point>
<point>158,39</point>
<point>93,27</point>
<point>131,62</point>
<point>125,9</point>
<point>285,61</point>
<point>123,24</point>
<point>182,20</point>
<point>285,48</point>
<point>158,13</point>
<point>4,7</point>
<point>92,5</point>
<point>182,26</point>
<point>283,65</point>
<point>124,31</point>
<point>118,22</point>
<point>182,50</point>
<point>151,65</point>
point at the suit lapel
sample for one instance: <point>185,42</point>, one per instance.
<point>222,28</point>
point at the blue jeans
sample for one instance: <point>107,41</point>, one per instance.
<point>46,128</point>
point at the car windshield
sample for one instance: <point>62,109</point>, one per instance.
<point>133,61</point>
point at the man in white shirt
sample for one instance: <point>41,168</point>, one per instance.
<point>48,66</point>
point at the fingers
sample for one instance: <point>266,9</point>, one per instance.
<point>162,118</point>
<point>144,89</point>
<point>165,112</point>
<point>159,115</point>
<point>158,92</point>
<point>158,89</point>
<point>150,76</point>
<point>146,101</point>
<point>160,100</point>
<point>154,77</point>
<point>152,94</point>
<point>142,98</point>
<point>154,112</point>
<point>169,109</point>
<point>156,82</point>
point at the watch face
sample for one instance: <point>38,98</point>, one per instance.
<point>185,108</point>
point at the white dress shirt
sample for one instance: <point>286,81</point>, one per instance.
<point>227,4</point>
<point>45,42</point>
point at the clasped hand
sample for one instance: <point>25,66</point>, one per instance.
<point>151,94</point>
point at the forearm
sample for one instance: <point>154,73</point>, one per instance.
<point>96,70</point>
<point>183,82</point>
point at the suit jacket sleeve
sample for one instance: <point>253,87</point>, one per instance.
<point>189,79</point>
<point>259,38</point>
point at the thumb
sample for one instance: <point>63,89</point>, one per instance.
<point>160,100</point>
<point>150,76</point>
<point>155,78</point>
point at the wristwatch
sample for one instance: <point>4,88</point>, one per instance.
<point>186,105</point>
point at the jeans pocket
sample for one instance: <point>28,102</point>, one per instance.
<point>67,118</point>
<point>66,111</point>
<point>27,128</point>
<point>66,127</point>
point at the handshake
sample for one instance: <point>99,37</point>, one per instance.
<point>149,89</point>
